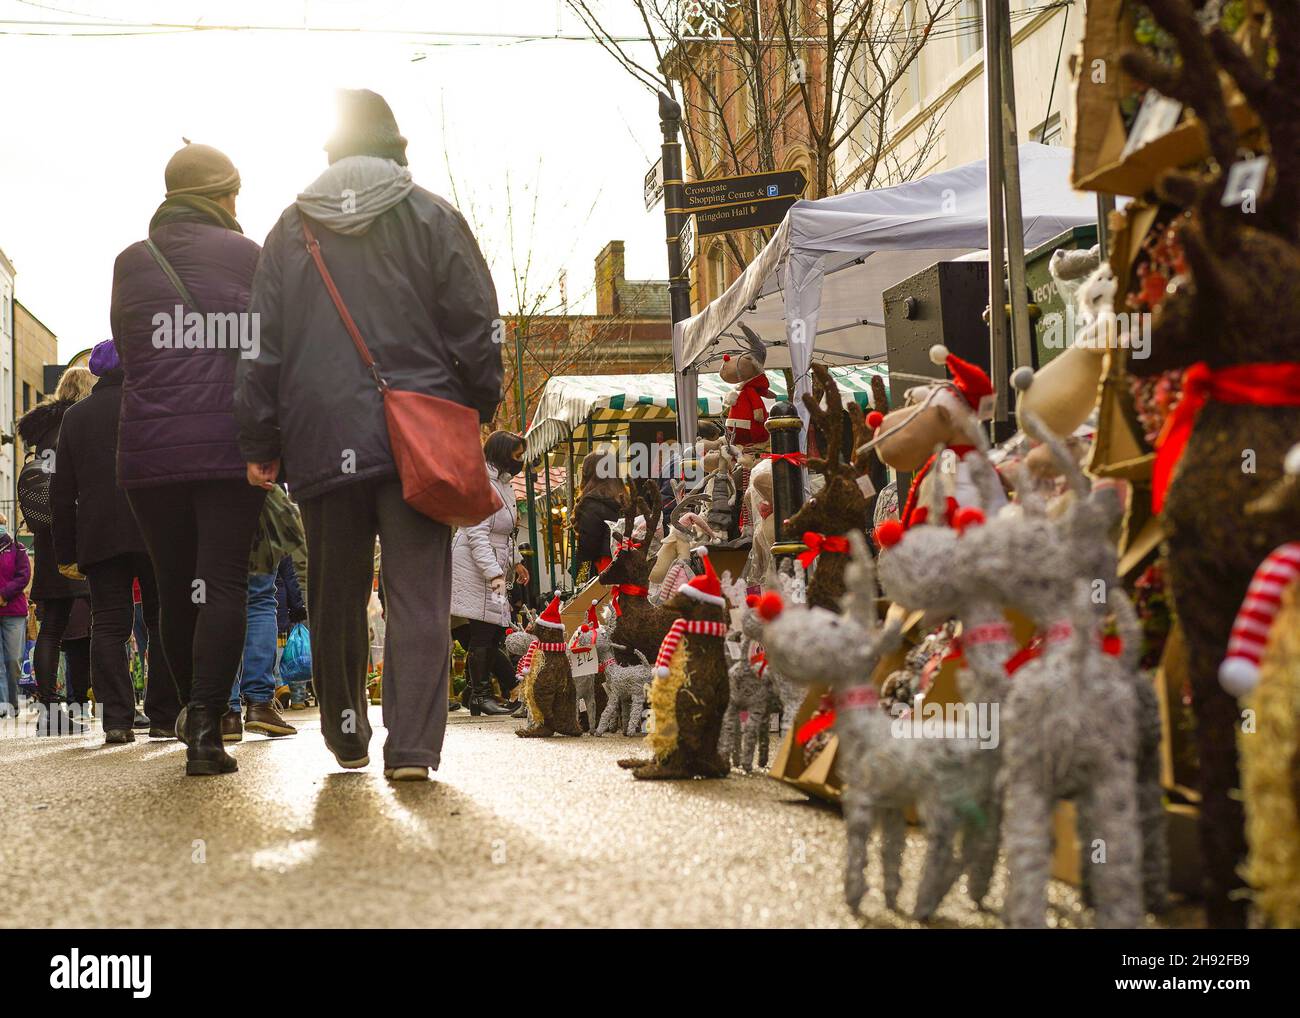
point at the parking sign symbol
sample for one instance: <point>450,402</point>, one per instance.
<point>773,190</point>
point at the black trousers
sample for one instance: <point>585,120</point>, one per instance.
<point>112,617</point>
<point>199,534</point>
<point>53,614</point>
<point>76,670</point>
<point>484,646</point>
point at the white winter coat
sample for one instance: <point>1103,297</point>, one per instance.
<point>481,552</point>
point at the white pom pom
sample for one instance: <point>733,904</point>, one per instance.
<point>661,671</point>
<point>1022,378</point>
<point>939,354</point>
<point>1238,676</point>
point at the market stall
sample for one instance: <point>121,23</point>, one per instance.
<point>814,292</point>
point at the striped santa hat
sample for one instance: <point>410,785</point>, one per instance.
<point>1239,671</point>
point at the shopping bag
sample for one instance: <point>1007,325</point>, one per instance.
<point>295,662</point>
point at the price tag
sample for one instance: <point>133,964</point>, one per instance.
<point>1157,117</point>
<point>1245,181</point>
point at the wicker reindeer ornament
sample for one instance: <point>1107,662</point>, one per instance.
<point>690,688</point>
<point>1232,319</point>
<point>840,506</point>
<point>884,771</point>
<point>549,692</point>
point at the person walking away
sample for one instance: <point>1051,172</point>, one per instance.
<point>56,595</point>
<point>484,562</point>
<point>411,274</point>
<point>278,532</point>
<point>290,608</point>
<point>96,537</point>
<point>15,571</point>
<point>177,454</point>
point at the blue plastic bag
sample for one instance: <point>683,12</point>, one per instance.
<point>295,662</point>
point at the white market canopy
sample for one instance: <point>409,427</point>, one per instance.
<point>569,401</point>
<point>815,290</point>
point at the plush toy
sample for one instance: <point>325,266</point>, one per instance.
<point>549,691</point>
<point>1065,389</point>
<point>939,414</point>
<point>746,412</point>
<point>1232,320</point>
<point>840,506</point>
<point>689,691</point>
<point>758,506</point>
<point>672,565</point>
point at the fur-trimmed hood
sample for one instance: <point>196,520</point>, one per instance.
<point>41,419</point>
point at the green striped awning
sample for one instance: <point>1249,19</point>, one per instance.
<point>595,408</point>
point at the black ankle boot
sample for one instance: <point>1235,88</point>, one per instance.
<point>205,753</point>
<point>480,685</point>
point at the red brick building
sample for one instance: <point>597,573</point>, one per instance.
<point>631,332</point>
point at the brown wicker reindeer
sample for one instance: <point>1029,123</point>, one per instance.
<point>1233,321</point>
<point>638,625</point>
<point>840,507</point>
<point>549,692</point>
<point>690,689</point>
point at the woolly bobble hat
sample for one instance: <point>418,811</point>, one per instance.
<point>705,588</point>
<point>593,620</point>
<point>103,358</point>
<point>969,379</point>
<point>551,617</point>
<point>366,127</point>
<point>200,170</point>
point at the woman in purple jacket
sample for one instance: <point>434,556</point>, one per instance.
<point>15,571</point>
<point>179,320</point>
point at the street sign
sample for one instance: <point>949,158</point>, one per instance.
<point>747,216</point>
<point>704,195</point>
<point>686,242</point>
<point>654,184</point>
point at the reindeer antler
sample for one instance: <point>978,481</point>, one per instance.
<point>828,421</point>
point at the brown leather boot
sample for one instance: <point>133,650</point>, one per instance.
<point>267,719</point>
<point>232,728</point>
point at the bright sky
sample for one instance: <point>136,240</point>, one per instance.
<point>87,125</point>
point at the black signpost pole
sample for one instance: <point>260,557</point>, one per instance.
<point>679,284</point>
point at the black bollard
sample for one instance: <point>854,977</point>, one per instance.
<point>784,425</point>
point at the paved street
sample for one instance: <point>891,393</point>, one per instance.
<point>512,833</point>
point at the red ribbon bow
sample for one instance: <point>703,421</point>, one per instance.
<point>631,590</point>
<point>818,543</point>
<point>797,459</point>
<point>1256,384</point>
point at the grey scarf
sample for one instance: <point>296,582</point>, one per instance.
<point>353,192</point>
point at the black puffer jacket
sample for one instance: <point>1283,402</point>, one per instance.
<point>92,518</point>
<point>423,300</point>
<point>39,429</point>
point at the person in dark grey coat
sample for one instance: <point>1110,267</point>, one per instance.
<point>57,596</point>
<point>95,531</point>
<point>413,278</point>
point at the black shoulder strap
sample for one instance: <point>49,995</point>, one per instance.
<point>166,266</point>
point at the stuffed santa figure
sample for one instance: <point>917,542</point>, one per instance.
<point>746,412</point>
<point>967,399</point>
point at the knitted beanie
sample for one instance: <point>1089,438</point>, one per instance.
<point>366,127</point>
<point>200,170</point>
